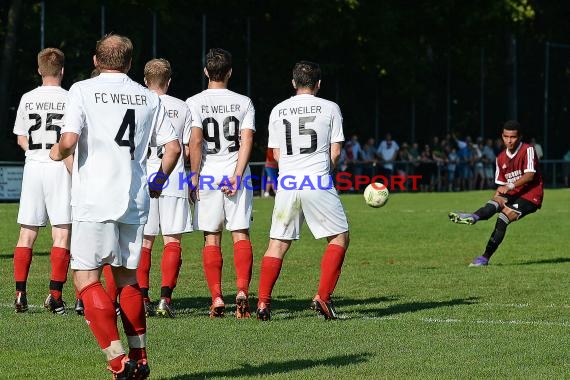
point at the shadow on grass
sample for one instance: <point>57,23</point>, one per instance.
<point>412,307</point>
<point>10,256</point>
<point>272,368</point>
<point>558,260</point>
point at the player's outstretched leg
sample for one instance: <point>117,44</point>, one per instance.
<point>488,210</point>
<point>462,218</point>
<point>170,267</point>
<point>243,261</point>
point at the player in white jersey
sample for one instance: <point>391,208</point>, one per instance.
<point>221,142</point>
<point>306,135</point>
<point>170,213</point>
<point>46,184</point>
<point>110,121</point>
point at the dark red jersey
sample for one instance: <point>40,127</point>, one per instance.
<point>510,167</point>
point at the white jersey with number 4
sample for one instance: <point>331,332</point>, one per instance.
<point>39,118</point>
<point>116,119</point>
<point>179,114</point>
<point>221,114</point>
<point>303,127</point>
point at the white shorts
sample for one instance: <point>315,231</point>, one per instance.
<point>168,214</point>
<point>214,210</point>
<point>46,194</point>
<point>321,208</point>
<point>94,244</point>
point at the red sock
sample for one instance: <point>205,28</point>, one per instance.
<point>243,261</point>
<point>22,262</point>
<point>270,269</point>
<point>331,265</point>
<point>170,264</point>
<point>110,284</point>
<point>100,315</point>
<point>212,260</point>
<point>134,320</point>
<point>59,258</point>
<point>143,270</point>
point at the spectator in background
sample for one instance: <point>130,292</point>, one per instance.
<point>405,161</point>
<point>464,167</point>
<point>452,160</point>
<point>489,162</point>
<point>369,157</point>
<point>478,166</point>
<point>270,178</point>
<point>357,155</point>
<point>426,169</point>
<point>387,152</point>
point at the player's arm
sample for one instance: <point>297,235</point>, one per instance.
<point>195,147</point>
<point>335,154</point>
<point>276,154</point>
<point>245,147</point>
<point>65,147</point>
<point>23,143</point>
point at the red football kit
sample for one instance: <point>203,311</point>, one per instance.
<point>511,167</point>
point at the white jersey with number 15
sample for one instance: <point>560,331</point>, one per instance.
<point>303,127</point>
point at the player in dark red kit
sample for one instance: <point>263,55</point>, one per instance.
<point>520,190</point>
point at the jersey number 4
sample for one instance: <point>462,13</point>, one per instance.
<point>128,123</point>
<point>49,127</point>
<point>302,131</point>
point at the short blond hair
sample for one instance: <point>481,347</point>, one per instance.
<point>50,62</point>
<point>157,72</point>
<point>114,52</point>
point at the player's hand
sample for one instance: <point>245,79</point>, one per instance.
<point>502,190</point>
<point>232,186</point>
<point>193,196</point>
<point>54,153</point>
<point>155,193</point>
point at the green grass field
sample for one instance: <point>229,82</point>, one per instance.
<point>410,306</point>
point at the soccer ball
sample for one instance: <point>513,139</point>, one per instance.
<point>376,194</point>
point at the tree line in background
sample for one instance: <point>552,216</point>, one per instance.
<point>415,69</point>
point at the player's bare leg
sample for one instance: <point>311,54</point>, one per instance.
<point>270,268</point>
<point>22,262</point>
<point>170,268</point>
<point>331,265</point>
<point>143,272</point>
<point>243,262</point>
<point>102,319</point>
<point>213,262</point>
<point>59,258</point>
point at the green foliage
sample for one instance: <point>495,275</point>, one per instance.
<point>410,307</point>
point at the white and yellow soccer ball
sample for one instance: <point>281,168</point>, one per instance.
<point>376,194</point>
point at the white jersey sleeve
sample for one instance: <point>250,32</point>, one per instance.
<point>222,115</point>
<point>40,117</point>
<point>172,119</point>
